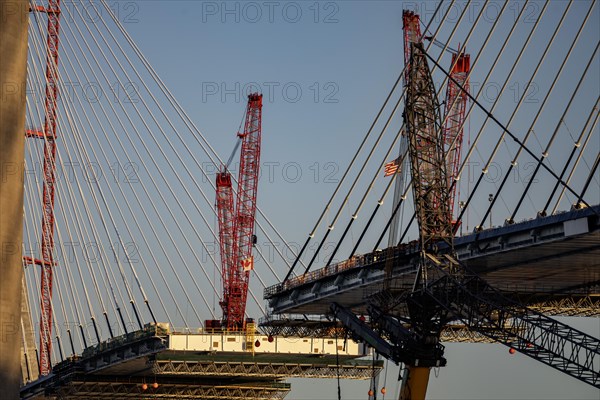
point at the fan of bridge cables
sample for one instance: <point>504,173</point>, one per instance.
<point>530,144</point>
<point>135,223</point>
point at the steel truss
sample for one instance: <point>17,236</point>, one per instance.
<point>265,370</point>
<point>427,158</point>
<point>486,310</point>
<point>580,306</point>
<point>121,390</point>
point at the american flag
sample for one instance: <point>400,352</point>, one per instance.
<point>391,168</point>
<point>248,263</point>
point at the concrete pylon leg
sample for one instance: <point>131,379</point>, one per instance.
<point>13,73</point>
<point>30,368</point>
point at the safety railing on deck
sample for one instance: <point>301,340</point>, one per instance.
<point>365,260</point>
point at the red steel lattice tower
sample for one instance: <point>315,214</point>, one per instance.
<point>48,134</point>
<point>225,217</point>
<point>237,234</point>
<point>412,34</point>
<point>454,115</point>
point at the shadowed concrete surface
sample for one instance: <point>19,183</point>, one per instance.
<point>13,61</point>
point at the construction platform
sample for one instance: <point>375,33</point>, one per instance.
<point>159,363</point>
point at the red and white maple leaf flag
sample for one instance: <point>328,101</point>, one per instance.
<point>248,263</point>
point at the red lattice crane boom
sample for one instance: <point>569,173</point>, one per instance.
<point>236,227</point>
<point>412,34</point>
<point>454,117</point>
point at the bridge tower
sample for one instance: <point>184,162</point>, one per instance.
<point>13,73</point>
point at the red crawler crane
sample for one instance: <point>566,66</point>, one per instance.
<point>454,116</point>
<point>48,134</point>
<point>236,228</point>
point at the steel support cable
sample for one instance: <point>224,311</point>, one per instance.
<point>380,202</point>
<point>359,150</point>
<point>551,141</point>
<point>105,203</point>
<point>142,208</point>
<point>594,178</point>
<point>75,209</point>
<point>102,220</point>
<point>76,302</point>
<point>62,207</point>
<point>215,289</point>
<point>33,50</point>
<point>489,113</point>
<point>60,280</point>
<point>573,170</point>
<point>44,79</point>
<point>576,145</point>
<point>539,112</point>
<point>588,181</point>
<point>209,202</point>
<point>356,179</point>
<point>501,139</point>
<point>93,130</point>
<point>71,193</point>
<point>514,65</point>
<point>505,130</point>
<point>165,202</point>
<point>252,295</point>
<point>30,289</point>
<point>160,172</point>
<point>356,154</point>
<point>396,208</point>
<point>96,236</point>
<point>191,126</point>
<point>89,218</point>
<point>28,228</point>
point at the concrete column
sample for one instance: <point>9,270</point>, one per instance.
<point>13,73</point>
<point>29,363</point>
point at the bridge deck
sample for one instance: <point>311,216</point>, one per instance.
<point>543,261</point>
<point>199,366</point>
